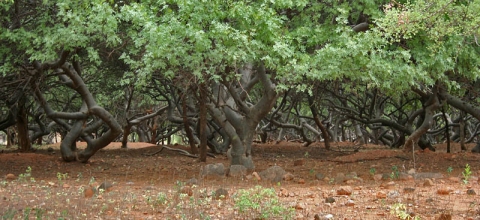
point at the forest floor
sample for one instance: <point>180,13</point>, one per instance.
<point>346,182</point>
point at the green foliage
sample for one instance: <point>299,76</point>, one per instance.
<point>261,203</point>
<point>467,173</point>
<point>27,175</point>
<point>449,170</point>
<point>395,173</point>
<point>399,210</point>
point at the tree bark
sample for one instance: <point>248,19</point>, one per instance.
<point>313,109</point>
<point>203,123</point>
<point>430,106</point>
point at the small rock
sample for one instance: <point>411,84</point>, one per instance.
<point>393,194</point>
<point>288,177</point>
<point>412,171</point>
<point>186,190</point>
<point>299,162</point>
<point>381,195</point>
<point>301,181</point>
<point>319,176</point>
<point>329,200</point>
<point>89,192</point>
<point>213,170</point>
<point>283,192</point>
<point>221,193</point>
<point>299,206</point>
<point>328,216</point>
<point>471,192</point>
<point>10,176</point>
<point>274,174</point>
<point>345,190</point>
<point>237,171</point>
<point>377,177</point>
<point>428,182</point>
<point>66,186</point>
<point>50,150</point>
<point>350,203</point>
<point>408,189</point>
<point>443,191</point>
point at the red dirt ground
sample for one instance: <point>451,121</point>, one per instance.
<point>153,187</point>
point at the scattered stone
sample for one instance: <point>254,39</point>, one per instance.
<point>319,176</point>
<point>299,206</point>
<point>66,186</point>
<point>427,182</point>
<point>288,177</point>
<point>299,162</point>
<point>443,191</point>
<point>213,170</point>
<point>192,181</point>
<point>411,171</point>
<point>89,192</point>
<point>381,195</point>
<point>105,186</point>
<point>445,216</point>
<point>50,150</point>
<point>377,177</point>
<point>221,193</point>
<point>393,194</point>
<point>301,181</point>
<point>10,176</point>
<point>186,190</point>
<point>237,171</point>
<point>388,185</point>
<point>409,189</point>
<point>329,200</point>
<point>274,174</point>
<point>328,216</point>
<point>471,192</point>
<point>350,203</point>
<point>345,190</point>
<point>283,192</point>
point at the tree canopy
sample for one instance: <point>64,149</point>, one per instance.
<point>75,61</point>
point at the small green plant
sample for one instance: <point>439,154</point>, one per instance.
<point>400,211</point>
<point>372,171</point>
<point>61,177</point>
<point>306,155</point>
<point>395,173</point>
<point>39,213</point>
<point>449,170</point>
<point>26,213</point>
<point>9,214</point>
<point>467,173</point>
<point>27,175</point>
<point>261,203</point>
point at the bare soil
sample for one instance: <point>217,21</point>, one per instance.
<point>146,186</point>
